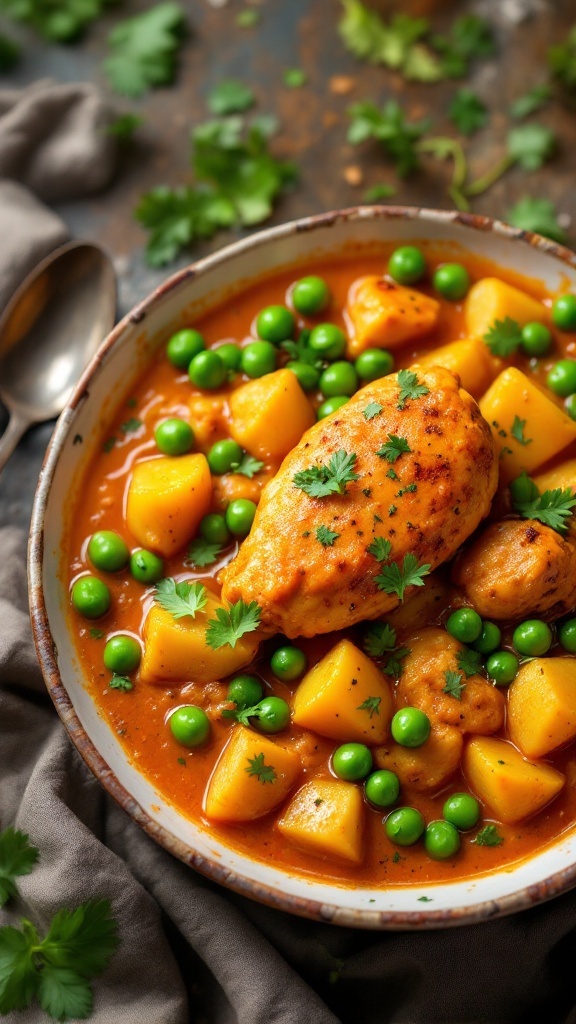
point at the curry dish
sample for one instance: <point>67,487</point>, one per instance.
<point>322,570</point>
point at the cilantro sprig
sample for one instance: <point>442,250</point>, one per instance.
<point>395,579</point>
<point>393,448</point>
<point>453,684</point>
<point>409,387</point>
<point>372,409</point>
<point>202,553</point>
<point>517,431</point>
<point>553,508</point>
<point>488,836</point>
<point>503,337</point>
<point>17,857</point>
<point>326,536</point>
<point>232,623</point>
<point>182,600</point>
<point>61,22</point>
<point>248,466</point>
<point>537,214</point>
<point>379,639</point>
<point>468,112</point>
<point>321,481</point>
<point>380,548</point>
<point>263,772</point>
<point>144,49</point>
<point>469,662</point>
<point>371,705</point>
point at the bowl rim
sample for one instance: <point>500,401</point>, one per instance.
<point>315,909</point>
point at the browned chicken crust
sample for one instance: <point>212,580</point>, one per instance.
<point>442,491</point>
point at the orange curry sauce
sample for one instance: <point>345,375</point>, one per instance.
<point>139,718</point>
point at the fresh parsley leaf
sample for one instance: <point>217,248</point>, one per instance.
<point>326,536</point>
<point>232,623</point>
<point>96,633</point>
<point>123,129</point>
<point>425,899</point>
<point>17,857</point>
<point>409,489</point>
<point>300,350</point>
<point>9,54</point>
<point>379,639</point>
<point>538,215</point>
<point>182,600</point>
<point>201,553</point>
<point>321,481</point>
<point>248,466</point>
<point>380,548</point>
<point>530,145</point>
<point>131,426</point>
<point>470,37</point>
<point>409,387</point>
<point>121,683</point>
<point>263,772</point>
<point>393,448</point>
<point>388,126</point>
<point>470,662</point>
<point>453,685</point>
<point>63,993</point>
<point>395,579</point>
<point>488,836</point>
<point>376,193</point>
<point>562,60</point>
<point>294,78</point>
<point>371,705</point>
<point>530,102</point>
<point>517,431</point>
<point>372,409</point>
<point>551,508</point>
<point>393,664</point>
<point>60,22</point>
<point>503,337</point>
<point>178,217</point>
<point>392,474</point>
<point>468,112</point>
<point>392,510</point>
<point>144,49</point>
<point>248,18</point>
<point>230,97</point>
<point>395,44</point>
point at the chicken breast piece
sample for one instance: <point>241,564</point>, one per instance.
<point>517,568</point>
<point>428,767</point>
<point>426,474</point>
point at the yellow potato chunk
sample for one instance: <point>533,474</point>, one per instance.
<point>252,776</point>
<point>167,498</point>
<point>546,429</point>
<point>426,768</point>
<point>384,314</point>
<point>270,414</point>
<point>542,705</point>
<point>470,359</point>
<point>345,697</point>
<point>176,649</point>
<point>491,299</point>
<point>512,788</point>
<point>562,476</point>
<point>326,818</point>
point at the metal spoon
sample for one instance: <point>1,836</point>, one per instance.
<point>49,331</point>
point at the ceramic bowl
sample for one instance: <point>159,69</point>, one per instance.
<point>118,364</point>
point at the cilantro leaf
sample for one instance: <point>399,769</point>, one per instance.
<point>371,705</point>
<point>488,836</point>
<point>453,685</point>
<point>389,127</point>
<point>530,145</point>
<point>248,466</point>
<point>144,49</point>
<point>321,481</point>
<point>551,508</point>
<point>182,600</point>
<point>376,193</point>
<point>394,44</point>
<point>131,426</point>
<point>503,337</point>
<point>62,993</point>
<point>392,474</point>
<point>468,112</point>
<point>18,975</point>
<point>247,18</point>
<point>380,548</point>
<point>121,683</point>
<point>379,639</point>
<point>470,37</point>
<point>395,579</point>
<point>263,772</point>
<point>230,97</point>
<point>372,409</point>
<point>530,102</point>
<point>294,78</point>
<point>124,126</point>
<point>300,350</point>
<point>96,633</point>
<point>393,448</point>
<point>538,215</point>
<point>17,857</point>
<point>393,665</point>
<point>517,431</point>
<point>470,662</point>
<point>409,387</point>
<point>201,553</point>
<point>232,623</point>
<point>326,536</point>
<point>61,22</point>
<point>562,60</point>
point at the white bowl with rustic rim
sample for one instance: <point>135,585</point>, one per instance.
<point>115,369</point>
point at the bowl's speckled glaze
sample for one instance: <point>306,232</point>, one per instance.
<point>118,364</point>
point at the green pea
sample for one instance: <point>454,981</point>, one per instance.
<point>464,625</point>
<point>404,826</point>
<point>245,690</point>
<point>489,639</point>
<point>441,840</point>
<point>213,528</point>
<point>331,405</point>
<point>174,436</point>
<point>183,346</point>
<point>190,725</point>
<point>240,516</point>
<point>532,638</point>
<point>90,597</point>
<point>338,379</point>
<point>502,667</point>
<point>310,295</point>
<point>207,370</point>
<point>122,654</point>
<point>561,378</point>
<point>107,551</point>
<point>352,761</point>
<point>570,406</point>
<point>407,265</point>
<point>273,714</point>
<point>523,489</point>
<point>258,359</point>
<point>410,727</point>
<point>536,339</point>
<point>451,281</point>
<point>145,566</point>
<point>462,810</point>
<point>288,663</point>
<point>382,788</point>
<point>307,375</point>
<point>567,635</point>
<point>564,312</point>
<point>230,355</point>
<point>374,363</point>
<point>328,341</point>
<point>223,456</point>
<point>275,324</point>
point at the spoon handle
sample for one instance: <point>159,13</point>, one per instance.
<point>17,426</point>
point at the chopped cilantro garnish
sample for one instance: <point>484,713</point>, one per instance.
<point>393,664</point>
<point>551,508</point>
<point>326,536</point>
<point>503,337</point>
<point>131,425</point>
<point>393,448</point>
<point>96,633</point>
<point>379,639</point>
<point>380,548</point>
<point>180,599</point>
<point>517,431</point>
<point>321,481</point>
<point>409,489</point>
<point>538,215</point>
<point>392,474</point>
<point>230,97</point>
<point>371,705</point>
<point>395,579</point>
<point>232,623</point>
<point>530,102</point>
<point>488,836</point>
<point>17,857</point>
<point>201,553</point>
<point>409,387</point>
<point>453,685</point>
<point>294,78</point>
<point>562,60</point>
<point>470,662</point>
<point>122,683</point>
<point>263,772</point>
<point>372,409</point>
<point>248,466</point>
<point>145,49</point>
<point>390,127</point>
<point>468,112</point>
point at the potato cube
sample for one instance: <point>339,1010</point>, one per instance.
<point>562,476</point>
<point>541,428</point>
<point>270,414</point>
<point>176,649</point>
<point>384,314</point>
<point>345,697</point>
<point>470,359</point>
<point>512,788</point>
<point>491,299</point>
<point>326,818</point>
<point>542,705</point>
<point>426,768</point>
<point>252,776</point>
<point>424,607</point>
<point>167,498</point>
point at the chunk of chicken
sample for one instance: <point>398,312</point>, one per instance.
<point>428,767</point>
<point>516,568</point>
<point>425,501</point>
